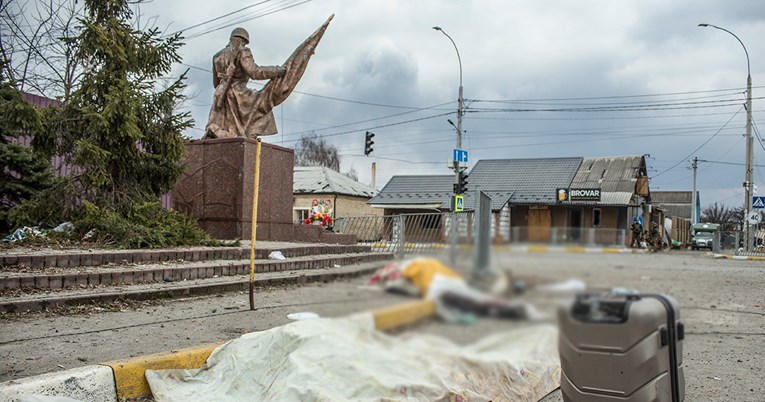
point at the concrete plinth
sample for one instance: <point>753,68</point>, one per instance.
<point>217,188</point>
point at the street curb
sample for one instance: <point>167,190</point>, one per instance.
<point>400,315</point>
<point>738,257</point>
<point>569,249</point>
<point>129,377</point>
<point>125,379</point>
<point>89,383</point>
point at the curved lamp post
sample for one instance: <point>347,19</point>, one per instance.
<point>456,165</point>
<point>748,185</point>
<point>459,98</point>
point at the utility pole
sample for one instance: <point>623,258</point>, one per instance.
<point>459,106</point>
<point>748,179</point>
<point>749,161</point>
<point>694,212</point>
<point>456,165</point>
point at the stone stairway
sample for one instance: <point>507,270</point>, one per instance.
<point>35,280</point>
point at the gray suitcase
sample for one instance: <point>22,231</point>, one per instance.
<point>621,347</point>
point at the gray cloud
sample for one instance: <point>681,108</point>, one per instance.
<point>385,52</point>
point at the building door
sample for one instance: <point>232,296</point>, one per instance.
<point>574,224</point>
<point>540,221</point>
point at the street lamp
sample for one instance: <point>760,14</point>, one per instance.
<point>456,165</point>
<point>748,185</point>
<point>459,98</point>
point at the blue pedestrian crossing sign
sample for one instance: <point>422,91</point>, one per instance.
<point>758,202</point>
<point>459,203</point>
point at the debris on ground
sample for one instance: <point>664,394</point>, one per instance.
<point>573,285</point>
<point>302,316</point>
<point>456,301</point>
<point>277,255</point>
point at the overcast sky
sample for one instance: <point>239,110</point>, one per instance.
<point>542,79</point>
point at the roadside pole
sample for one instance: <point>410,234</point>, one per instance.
<point>255,189</point>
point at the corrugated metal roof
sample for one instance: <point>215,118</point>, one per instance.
<point>675,203</point>
<point>672,197</point>
<point>407,190</point>
<point>322,180</point>
<point>531,181</point>
<point>523,181</point>
<point>677,210</point>
<point>610,174</point>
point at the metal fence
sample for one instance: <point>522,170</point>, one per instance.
<point>424,233</point>
<point>406,233</point>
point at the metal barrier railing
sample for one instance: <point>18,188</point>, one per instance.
<point>423,233</point>
<point>405,233</point>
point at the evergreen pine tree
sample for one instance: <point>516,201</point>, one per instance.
<point>23,172</point>
<point>118,128</point>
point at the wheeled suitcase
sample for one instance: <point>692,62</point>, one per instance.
<point>621,347</point>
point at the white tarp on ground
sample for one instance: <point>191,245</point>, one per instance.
<point>347,359</point>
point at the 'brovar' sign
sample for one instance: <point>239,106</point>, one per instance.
<point>584,194</point>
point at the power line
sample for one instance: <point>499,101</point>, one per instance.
<point>358,102</point>
<point>249,18</point>
<point>699,147</point>
<point>591,118</point>
<point>688,133</point>
<point>619,108</point>
<point>382,125</point>
<point>217,18</point>
<point>727,163</point>
<point>614,96</point>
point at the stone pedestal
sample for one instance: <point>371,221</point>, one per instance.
<point>217,188</point>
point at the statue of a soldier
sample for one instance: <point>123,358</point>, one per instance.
<point>238,111</point>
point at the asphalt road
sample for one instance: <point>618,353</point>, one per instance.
<point>40,343</point>
<point>722,305</point>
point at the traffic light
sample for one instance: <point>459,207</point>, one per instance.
<point>368,143</point>
<point>461,186</point>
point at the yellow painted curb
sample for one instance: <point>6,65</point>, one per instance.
<point>578,250</point>
<point>538,249</point>
<point>611,250</point>
<point>387,318</point>
<point>129,375</point>
<point>130,378</point>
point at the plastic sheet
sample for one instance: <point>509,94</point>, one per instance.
<point>347,359</point>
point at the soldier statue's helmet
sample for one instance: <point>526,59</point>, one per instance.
<point>241,33</point>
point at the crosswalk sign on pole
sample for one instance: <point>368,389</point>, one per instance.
<point>758,202</point>
<point>459,203</point>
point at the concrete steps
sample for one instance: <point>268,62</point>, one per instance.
<point>26,288</point>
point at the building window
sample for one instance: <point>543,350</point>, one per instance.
<point>596,217</point>
<point>302,214</point>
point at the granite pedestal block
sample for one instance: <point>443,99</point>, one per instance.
<point>217,188</point>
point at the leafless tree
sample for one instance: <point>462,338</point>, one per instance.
<point>314,151</point>
<point>353,174</point>
<point>728,218</point>
<point>36,45</point>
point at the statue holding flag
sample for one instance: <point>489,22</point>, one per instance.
<point>238,111</point>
